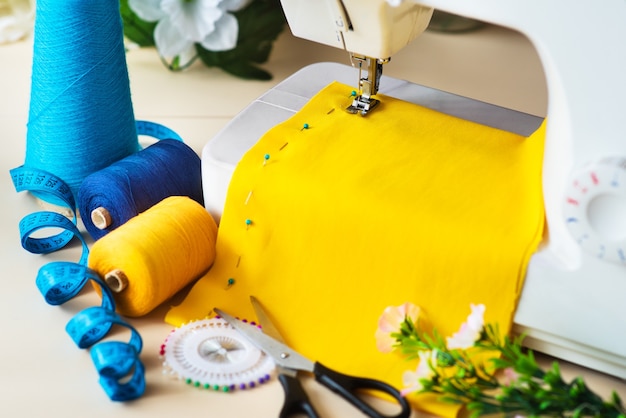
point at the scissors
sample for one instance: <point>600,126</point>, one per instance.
<point>289,362</point>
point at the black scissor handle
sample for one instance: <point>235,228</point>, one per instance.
<point>296,399</point>
<point>346,386</point>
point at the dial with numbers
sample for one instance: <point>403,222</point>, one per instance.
<point>595,209</point>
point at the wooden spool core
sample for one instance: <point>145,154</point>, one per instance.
<point>101,218</point>
<point>116,280</point>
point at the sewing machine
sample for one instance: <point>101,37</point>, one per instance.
<point>572,302</point>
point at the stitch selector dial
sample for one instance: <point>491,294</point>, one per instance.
<point>595,209</point>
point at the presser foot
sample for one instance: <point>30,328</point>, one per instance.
<point>361,106</point>
<point>368,85</point>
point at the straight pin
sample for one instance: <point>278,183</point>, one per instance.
<point>330,111</point>
<point>238,261</point>
<point>281,148</point>
<point>248,197</point>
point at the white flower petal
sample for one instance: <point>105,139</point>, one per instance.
<point>195,20</point>
<point>412,379</point>
<point>12,28</point>
<point>464,338</point>
<point>148,10</point>
<point>187,56</point>
<point>470,330</point>
<point>234,5</point>
<point>224,37</point>
<point>384,341</point>
<point>169,40</point>
<point>391,319</point>
<point>428,359</point>
<point>475,319</point>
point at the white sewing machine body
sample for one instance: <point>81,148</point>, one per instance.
<point>572,304</point>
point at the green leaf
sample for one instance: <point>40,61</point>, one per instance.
<point>247,71</point>
<point>260,23</point>
<point>545,405</point>
<point>617,401</point>
<point>135,29</point>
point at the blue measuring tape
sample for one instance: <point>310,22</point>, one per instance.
<point>156,130</point>
<point>122,374</point>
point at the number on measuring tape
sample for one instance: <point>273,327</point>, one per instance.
<point>40,181</point>
<point>60,281</point>
<point>122,374</point>
<point>115,361</point>
<point>156,130</point>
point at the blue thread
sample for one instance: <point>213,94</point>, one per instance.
<point>80,121</point>
<point>81,117</point>
<point>136,183</point>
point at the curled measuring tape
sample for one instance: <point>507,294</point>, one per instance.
<point>156,130</point>
<point>41,182</point>
<point>122,374</point>
<point>121,371</point>
<point>118,364</point>
<point>211,354</point>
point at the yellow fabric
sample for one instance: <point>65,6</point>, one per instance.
<point>355,214</point>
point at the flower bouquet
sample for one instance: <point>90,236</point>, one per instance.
<point>234,35</point>
<point>484,371</point>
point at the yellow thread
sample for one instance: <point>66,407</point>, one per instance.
<point>159,252</point>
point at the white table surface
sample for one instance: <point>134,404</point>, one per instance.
<point>42,372</point>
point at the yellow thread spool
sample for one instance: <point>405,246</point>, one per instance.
<point>155,254</point>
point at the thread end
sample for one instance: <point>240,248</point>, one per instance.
<point>101,218</point>
<point>116,280</point>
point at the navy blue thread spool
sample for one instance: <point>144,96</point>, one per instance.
<point>110,197</point>
<point>81,117</point>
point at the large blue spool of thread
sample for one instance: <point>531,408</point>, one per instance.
<point>81,117</point>
<point>110,197</point>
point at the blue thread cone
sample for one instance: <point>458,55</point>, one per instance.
<point>81,117</point>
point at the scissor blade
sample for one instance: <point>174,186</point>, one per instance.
<point>282,354</point>
<point>265,321</point>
